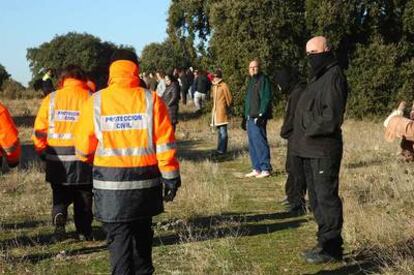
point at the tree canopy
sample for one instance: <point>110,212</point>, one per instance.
<point>372,39</point>
<point>4,75</point>
<point>85,50</point>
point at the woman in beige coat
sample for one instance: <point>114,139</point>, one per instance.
<point>221,96</point>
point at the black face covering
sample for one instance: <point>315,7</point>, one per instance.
<point>319,61</point>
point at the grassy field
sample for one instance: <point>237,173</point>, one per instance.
<point>221,223</point>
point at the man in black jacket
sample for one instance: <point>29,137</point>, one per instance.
<point>317,139</point>
<point>295,188</point>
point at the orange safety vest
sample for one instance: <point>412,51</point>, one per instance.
<point>58,113</point>
<point>9,140</point>
<point>126,131</point>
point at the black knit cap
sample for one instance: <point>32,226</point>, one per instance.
<point>123,54</point>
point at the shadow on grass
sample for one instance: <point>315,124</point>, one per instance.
<point>187,116</point>
<point>22,225</point>
<point>363,163</point>
<point>38,257</point>
<point>190,150</point>
<point>227,225</point>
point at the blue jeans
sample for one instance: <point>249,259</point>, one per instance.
<point>258,146</point>
<point>222,139</point>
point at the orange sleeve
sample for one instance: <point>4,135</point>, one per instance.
<point>9,138</point>
<point>84,138</point>
<point>41,125</point>
<point>164,139</point>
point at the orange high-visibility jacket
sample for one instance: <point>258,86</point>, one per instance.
<point>126,131</point>
<point>52,137</point>
<point>9,140</point>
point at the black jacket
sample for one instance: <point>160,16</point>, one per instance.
<point>202,84</point>
<point>319,115</point>
<point>293,98</point>
<point>171,97</point>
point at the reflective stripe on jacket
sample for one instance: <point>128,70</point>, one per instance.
<point>126,131</point>
<point>58,113</point>
<point>9,140</point>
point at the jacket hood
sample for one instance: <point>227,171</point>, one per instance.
<point>123,73</point>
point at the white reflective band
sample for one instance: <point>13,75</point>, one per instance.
<point>61,157</point>
<point>66,115</point>
<point>124,122</point>
<point>170,174</point>
<point>119,152</point>
<point>126,185</point>
<point>166,147</point>
<point>60,136</point>
<point>52,112</point>
<point>97,116</point>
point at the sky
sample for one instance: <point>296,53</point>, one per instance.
<point>29,23</point>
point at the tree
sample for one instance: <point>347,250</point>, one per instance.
<point>4,75</point>
<point>85,50</point>
<point>164,56</point>
<point>372,39</point>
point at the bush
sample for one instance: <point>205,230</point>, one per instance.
<point>12,89</point>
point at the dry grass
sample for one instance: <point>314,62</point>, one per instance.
<point>196,236</point>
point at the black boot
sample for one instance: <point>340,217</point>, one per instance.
<point>59,221</point>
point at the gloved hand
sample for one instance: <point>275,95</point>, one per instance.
<point>260,121</point>
<point>12,164</point>
<point>170,188</point>
<point>243,124</point>
<point>398,112</point>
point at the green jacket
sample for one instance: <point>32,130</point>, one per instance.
<point>265,96</point>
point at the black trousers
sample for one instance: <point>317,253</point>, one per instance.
<point>81,197</point>
<point>130,246</point>
<point>322,178</point>
<point>295,187</point>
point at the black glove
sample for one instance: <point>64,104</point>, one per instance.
<point>13,164</point>
<point>243,124</point>
<point>170,188</point>
<point>260,121</point>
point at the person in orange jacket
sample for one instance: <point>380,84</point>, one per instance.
<point>70,178</point>
<point>9,139</point>
<point>125,131</point>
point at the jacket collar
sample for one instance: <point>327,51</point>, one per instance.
<point>324,70</point>
<point>123,73</point>
<point>72,82</point>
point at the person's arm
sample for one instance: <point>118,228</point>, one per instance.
<point>265,96</point>
<point>227,94</point>
<point>9,139</point>
<point>41,126</point>
<point>166,148</point>
<point>84,138</point>
<point>330,116</point>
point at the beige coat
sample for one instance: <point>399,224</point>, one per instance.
<point>222,99</point>
<point>399,127</point>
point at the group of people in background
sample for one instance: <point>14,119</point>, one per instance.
<point>120,143</point>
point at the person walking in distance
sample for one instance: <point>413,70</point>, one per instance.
<point>69,178</point>
<point>125,131</point>
<point>295,188</point>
